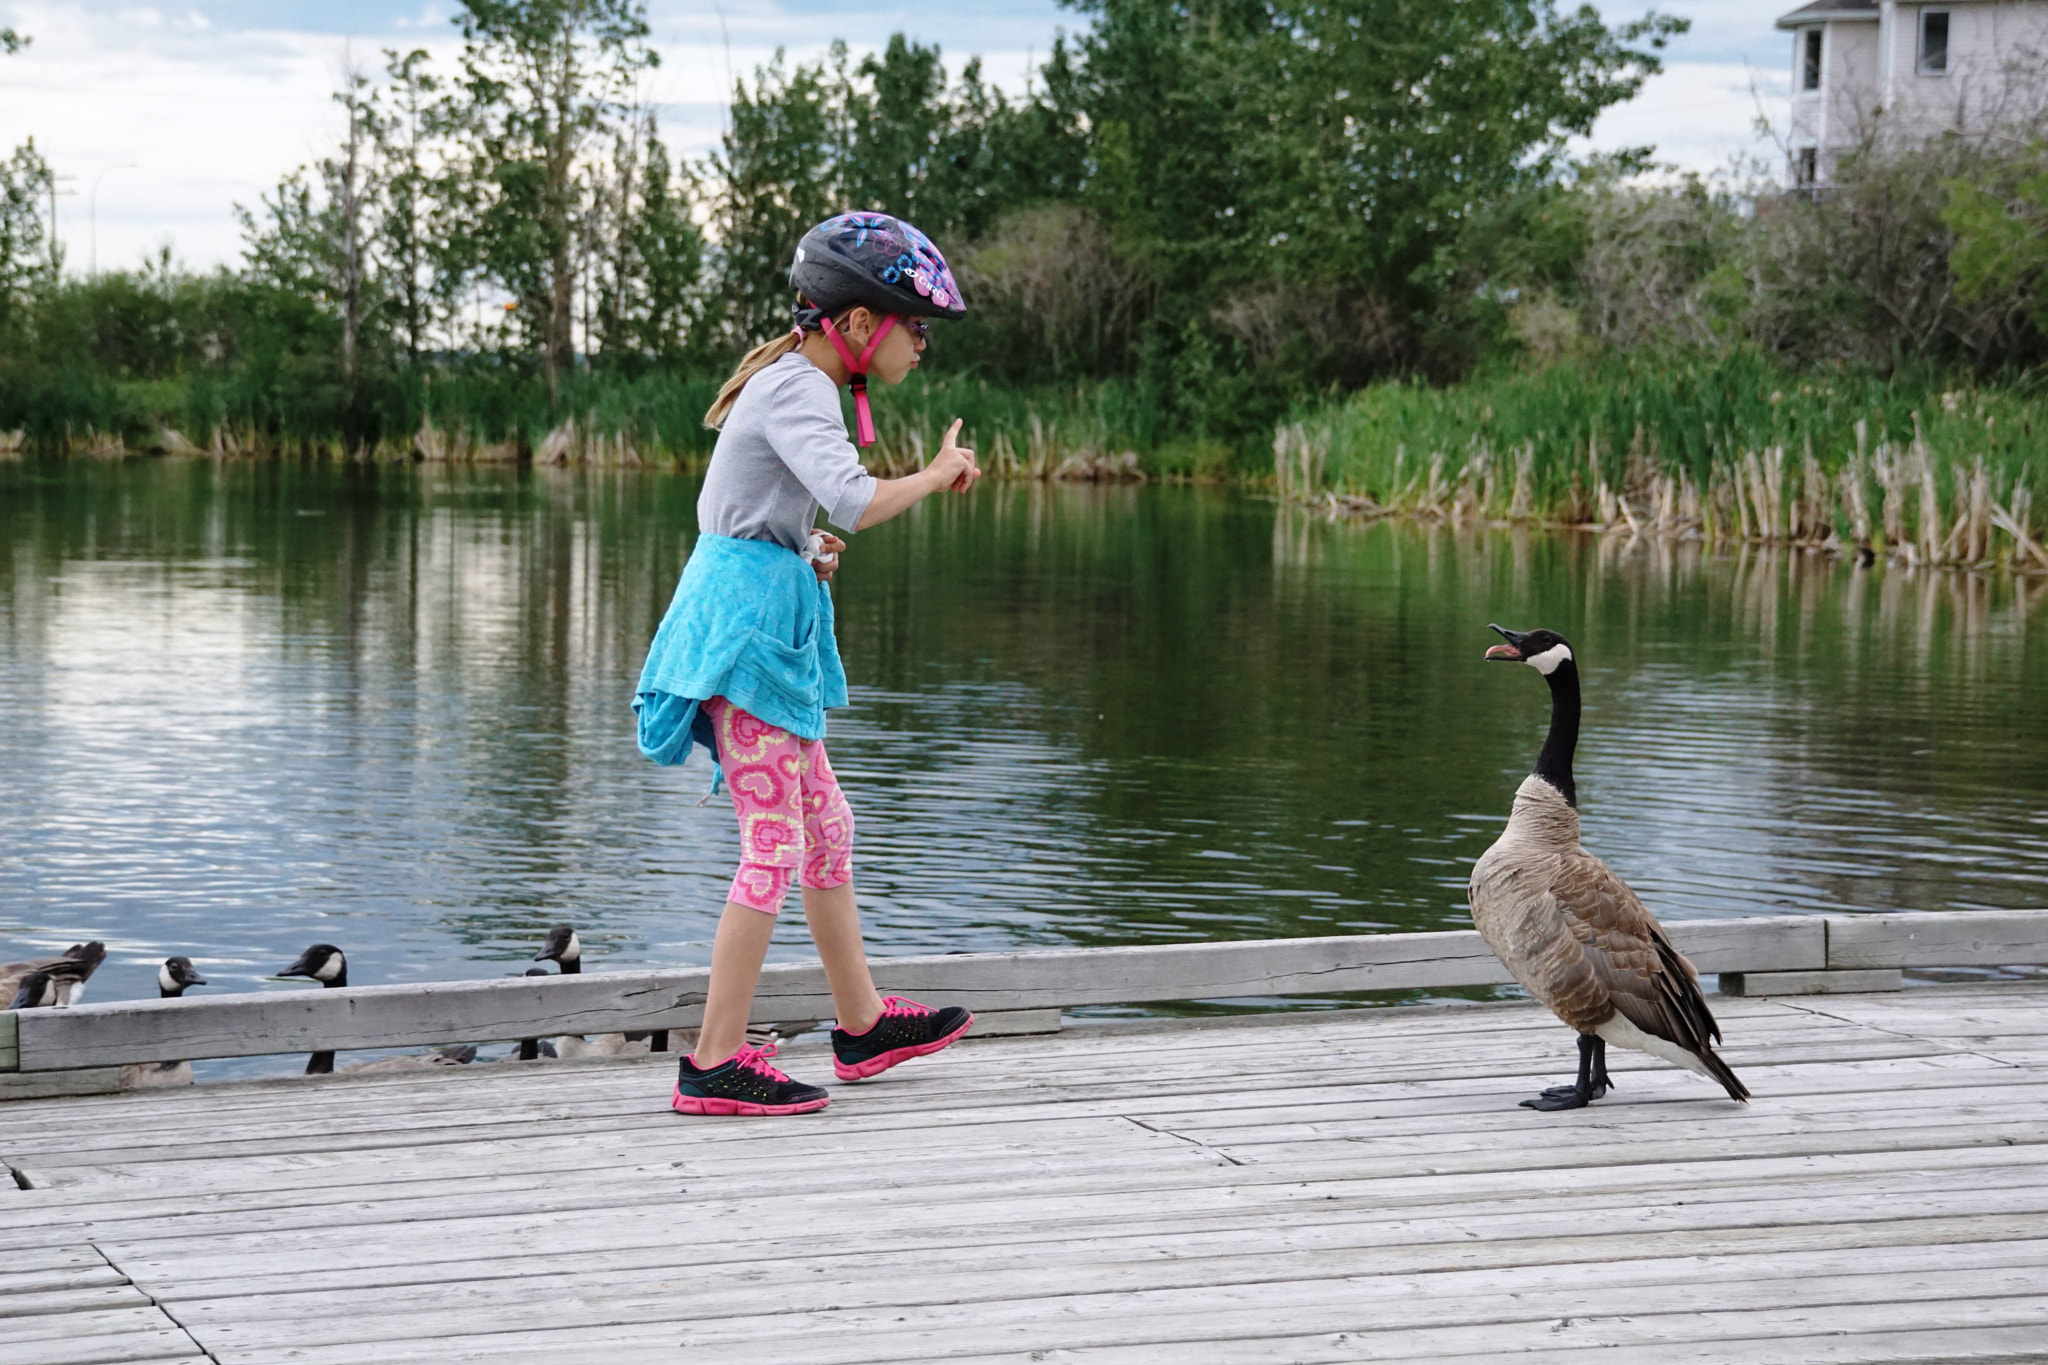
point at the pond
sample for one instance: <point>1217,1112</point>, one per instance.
<point>252,706</point>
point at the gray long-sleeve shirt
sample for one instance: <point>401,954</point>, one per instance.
<point>782,454</point>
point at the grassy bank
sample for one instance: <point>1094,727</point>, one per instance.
<point>1926,469</point>
<point>477,415</point>
<point>1930,468</point>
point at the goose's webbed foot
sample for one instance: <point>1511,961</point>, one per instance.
<point>1560,1097</point>
<point>1593,1082</point>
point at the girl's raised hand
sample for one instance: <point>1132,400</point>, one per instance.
<point>954,466</point>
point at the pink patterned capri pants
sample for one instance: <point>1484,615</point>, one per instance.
<point>794,820</point>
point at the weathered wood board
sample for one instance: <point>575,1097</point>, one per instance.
<point>361,1017</point>
<point>1336,1187</point>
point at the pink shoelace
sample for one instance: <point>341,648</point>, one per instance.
<point>755,1059</point>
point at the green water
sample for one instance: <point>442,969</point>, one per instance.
<point>252,706</point>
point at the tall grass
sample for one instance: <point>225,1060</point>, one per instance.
<point>1728,447</point>
<point>479,414</point>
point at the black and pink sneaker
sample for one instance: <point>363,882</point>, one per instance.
<point>746,1085</point>
<point>905,1030</point>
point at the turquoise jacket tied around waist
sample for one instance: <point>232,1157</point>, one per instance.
<point>750,622</point>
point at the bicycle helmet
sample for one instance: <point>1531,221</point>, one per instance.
<point>875,261</point>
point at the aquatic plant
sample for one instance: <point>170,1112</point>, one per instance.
<point>1724,448</point>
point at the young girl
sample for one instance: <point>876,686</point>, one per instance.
<point>745,662</point>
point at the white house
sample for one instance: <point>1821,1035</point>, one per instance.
<point>1863,69</point>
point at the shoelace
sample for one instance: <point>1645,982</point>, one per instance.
<point>898,1006</point>
<point>755,1059</point>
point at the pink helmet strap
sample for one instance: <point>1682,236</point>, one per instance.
<point>863,419</point>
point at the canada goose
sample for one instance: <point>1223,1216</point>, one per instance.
<point>67,972</point>
<point>1569,929</point>
<point>35,991</point>
<point>172,978</point>
<point>533,1049</point>
<point>413,1061</point>
<point>328,965</point>
<point>564,949</point>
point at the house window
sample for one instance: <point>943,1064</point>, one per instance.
<point>1933,42</point>
<point>1805,167</point>
<point>1809,59</point>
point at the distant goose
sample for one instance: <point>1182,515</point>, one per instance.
<point>172,978</point>
<point>1570,930</point>
<point>564,948</point>
<point>325,963</point>
<point>67,972</point>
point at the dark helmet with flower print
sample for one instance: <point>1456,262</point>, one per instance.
<point>874,260</point>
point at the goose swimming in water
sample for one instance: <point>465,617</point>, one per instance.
<point>67,972</point>
<point>326,964</point>
<point>34,991</point>
<point>172,979</point>
<point>1570,930</point>
<point>563,948</point>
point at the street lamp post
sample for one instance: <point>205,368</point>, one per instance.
<point>92,215</point>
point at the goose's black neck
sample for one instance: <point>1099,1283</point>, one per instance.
<point>320,1064</point>
<point>1554,764</point>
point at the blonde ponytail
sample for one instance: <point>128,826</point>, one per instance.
<point>758,359</point>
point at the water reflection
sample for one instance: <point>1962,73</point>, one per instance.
<point>251,706</point>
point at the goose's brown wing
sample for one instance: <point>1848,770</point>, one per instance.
<point>1629,960</point>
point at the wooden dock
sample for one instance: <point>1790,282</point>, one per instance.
<point>1347,1186</point>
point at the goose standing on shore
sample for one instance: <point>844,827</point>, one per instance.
<point>172,979</point>
<point>1570,930</point>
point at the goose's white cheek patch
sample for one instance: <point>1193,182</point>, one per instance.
<point>1546,663</point>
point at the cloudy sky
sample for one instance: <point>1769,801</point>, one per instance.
<point>167,115</point>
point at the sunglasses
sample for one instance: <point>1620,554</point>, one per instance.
<point>921,330</point>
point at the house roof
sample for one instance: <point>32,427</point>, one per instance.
<point>1822,10</point>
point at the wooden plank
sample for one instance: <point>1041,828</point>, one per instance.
<point>359,1017</point>
<point>10,1048</point>
<point>91,1275</point>
<point>901,1276</point>
<point>1006,1299</point>
<point>73,1300</point>
<point>50,1258</point>
<point>205,1198</point>
<point>700,1233</point>
<point>964,1079</point>
<point>1948,1346</point>
<point>1859,982</point>
<point>853,1336</point>
<point>31,1085</point>
<point>1973,938</point>
<point>1015,1023</point>
<point>163,1343</point>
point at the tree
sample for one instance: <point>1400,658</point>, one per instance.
<point>25,180</point>
<point>541,79</point>
<point>778,173</point>
<point>353,190</point>
<point>1333,148</point>
<point>418,275</point>
<point>649,257</point>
